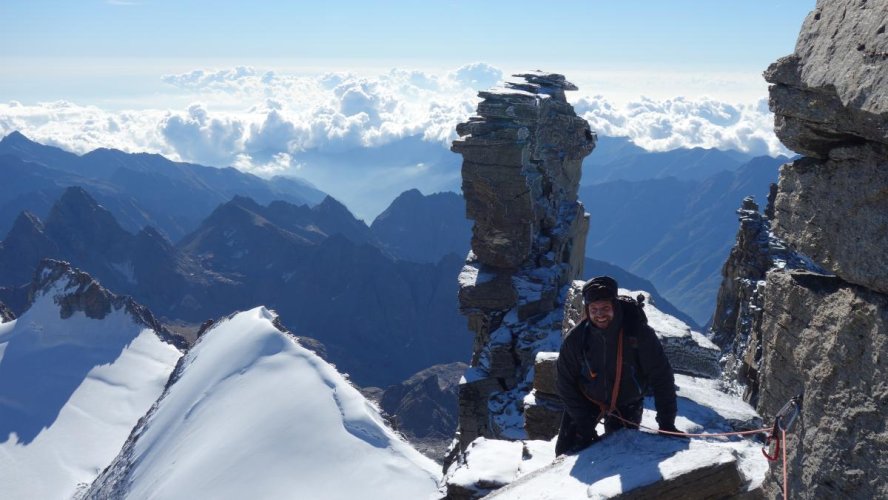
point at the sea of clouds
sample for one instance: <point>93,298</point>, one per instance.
<point>262,121</point>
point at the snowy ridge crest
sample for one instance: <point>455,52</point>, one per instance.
<point>251,413</point>
<point>76,291</point>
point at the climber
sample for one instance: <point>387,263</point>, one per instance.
<point>606,364</point>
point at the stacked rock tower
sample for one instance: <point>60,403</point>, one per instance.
<point>522,157</point>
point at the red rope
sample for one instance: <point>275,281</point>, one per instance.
<point>785,473</point>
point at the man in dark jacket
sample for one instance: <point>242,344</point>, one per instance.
<point>615,334</point>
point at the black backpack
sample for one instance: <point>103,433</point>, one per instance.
<point>636,311</point>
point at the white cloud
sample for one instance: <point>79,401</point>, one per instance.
<point>661,125</point>
<point>199,138</point>
<point>256,119</point>
<point>478,75</point>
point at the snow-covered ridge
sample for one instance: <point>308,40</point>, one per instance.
<point>252,414</point>
<point>76,291</point>
<point>73,385</point>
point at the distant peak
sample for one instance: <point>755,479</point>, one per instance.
<point>25,223</point>
<point>244,201</point>
<point>331,204</point>
<point>15,137</point>
<point>76,195</point>
<point>414,194</point>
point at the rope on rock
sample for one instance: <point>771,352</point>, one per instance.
<point>776,439</point>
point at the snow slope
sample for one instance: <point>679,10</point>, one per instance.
<point>71,391</point>
<point>252,414</point>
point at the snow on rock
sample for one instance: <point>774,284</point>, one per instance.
<point>627,460</point>
<point>252,414</point>
<point>72,389</point>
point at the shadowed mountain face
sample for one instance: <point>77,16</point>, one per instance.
<point>379,319</point>
<point>84,233</point>
<point>139,189</point>
<point>424,228</point>
<point>677,234</point>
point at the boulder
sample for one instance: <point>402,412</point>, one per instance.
<point>542,415</point>
<point>544,372</point>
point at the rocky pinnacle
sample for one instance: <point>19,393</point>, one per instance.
<point>522,156</point>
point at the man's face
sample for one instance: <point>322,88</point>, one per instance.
<point>601,313</point>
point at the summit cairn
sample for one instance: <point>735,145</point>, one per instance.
<point>522,156</point>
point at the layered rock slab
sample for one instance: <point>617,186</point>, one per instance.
<point>836,211</point>
<point>833,89</point>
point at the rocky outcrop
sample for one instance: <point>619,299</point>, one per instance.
<point>423,408</point>
<point>521,169</point>
<point>831,92</point>
<point>738,313</point>
<point>825,335</point>
<point>81,293</point>
<point>6,314</point>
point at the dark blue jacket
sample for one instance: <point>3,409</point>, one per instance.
<point>586,368</point>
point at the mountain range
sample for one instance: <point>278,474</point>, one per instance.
<point>138,188</point>
<point>675,233</point>
<point>98,401</point>
<point>232,241</point>
<point>381,319</point>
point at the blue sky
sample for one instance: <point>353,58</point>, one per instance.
<point>130,43</point>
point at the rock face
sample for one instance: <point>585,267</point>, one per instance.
<point>825,335</point>
<point>834,110</point>
<point>736,324</point>
<point>827,338</point>
<point>521,169</point>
